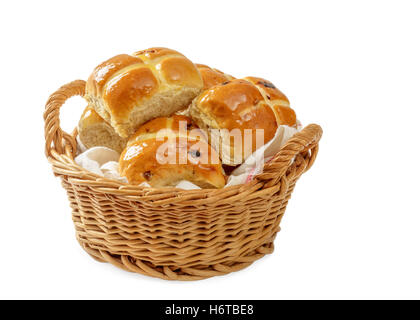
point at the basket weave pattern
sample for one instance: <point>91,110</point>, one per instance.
<point>170,233</point>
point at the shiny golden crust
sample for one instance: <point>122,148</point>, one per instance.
<point>129,90</point>
<point>155,53</point>
<point>277,101</point>
<point>165,151</point>
<point>248,103</point>
<point>95,131</point>
<point>212,77</point>
<point>102,73</point>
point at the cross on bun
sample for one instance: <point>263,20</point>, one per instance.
<point>248,103</point>
<point>167,150</point>
<point>95,131</point>
<point>129,90</point>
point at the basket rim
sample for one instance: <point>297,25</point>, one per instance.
<point>61,148</point>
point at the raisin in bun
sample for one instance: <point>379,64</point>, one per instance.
<point>129,90</point>
<point>211,76</point>
<point>95,131</point>
<point>240,104</point>
<point>167,150</point>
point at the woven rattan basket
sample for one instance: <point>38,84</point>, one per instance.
<point>170,233</point>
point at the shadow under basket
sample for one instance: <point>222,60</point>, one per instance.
<point>170,233</point>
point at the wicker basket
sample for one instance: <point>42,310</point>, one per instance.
<point>170,233</point>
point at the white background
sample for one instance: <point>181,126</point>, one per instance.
<point>352,228</point>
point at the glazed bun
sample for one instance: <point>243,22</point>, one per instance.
<point>129,90</point>
<point>212,77</point>
<point>240,104</point>
<point>95,131</point>
<point>167,150</point>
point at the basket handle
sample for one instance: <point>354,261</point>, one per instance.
<point>304,140</point>
<point>55,137</point>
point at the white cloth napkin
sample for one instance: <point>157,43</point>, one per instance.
<point>100,160</point>
<point>254,164</point>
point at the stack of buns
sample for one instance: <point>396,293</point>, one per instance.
<point>156,103</point>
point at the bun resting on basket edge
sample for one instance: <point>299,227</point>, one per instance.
<point>95,131</point>
<point>167,150</point>
<point>129,90</point>
<point>237,105</point>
